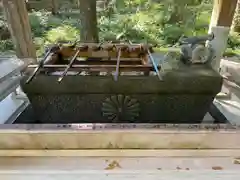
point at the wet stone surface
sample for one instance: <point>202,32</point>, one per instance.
<point>184,96</point>
<point>89,109</point>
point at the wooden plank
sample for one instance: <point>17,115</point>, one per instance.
<point>118,139</point>
<point>189,153</point>
<point>67,52</point>
<point>107,62</point>
<point>129,175</point>
<point>17,18</point>
<point>111,164</point>
<point>107,168</point>
<point>95,67</point>
<point>106,50</point>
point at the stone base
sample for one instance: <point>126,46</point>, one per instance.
<point>184,96</point>
<point>152,109</point>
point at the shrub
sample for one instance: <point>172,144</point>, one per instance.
<point>234,41</point>
<point>6,45</point>
<point>153,21</point>
<point>62,33</point>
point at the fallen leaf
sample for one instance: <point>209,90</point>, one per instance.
<point>236,161</point>
<point>114,164</point>
<point>217,168</point>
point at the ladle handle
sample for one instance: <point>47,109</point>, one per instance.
<point>69,66</point>
<point>118,64</point>
<point>41,63</point>
<point>154,65</point>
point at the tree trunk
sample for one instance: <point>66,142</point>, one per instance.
<point>88,18</point>
<point>236,19</point>
<point>18,23</point>
<point>78,3</point>
<point>54,7</point>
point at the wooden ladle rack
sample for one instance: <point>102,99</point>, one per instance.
<point>94,57</point>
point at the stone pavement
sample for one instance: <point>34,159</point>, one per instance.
<point>101,168</point>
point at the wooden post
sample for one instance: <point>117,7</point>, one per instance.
<point>54,7</point>
<point>223,12</point>
<point>221,20</point>
<point>18,21</point>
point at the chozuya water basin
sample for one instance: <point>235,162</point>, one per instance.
<point>117,83</point>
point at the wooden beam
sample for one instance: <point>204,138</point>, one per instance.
<point>223,12</point>
<point>122,153</point>
<point>18,21</point>
<point>221,20</point>
<point>16,139</point>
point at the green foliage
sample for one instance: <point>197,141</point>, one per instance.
<point>62,33</point>
<point>6,45</point>
<point>160,22</point>
<point>39,43</point>
<point>172,33</point>
<point>38,21</point>
<point>54,35</point>
<point>48,29</point>
<point>234,41</point>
